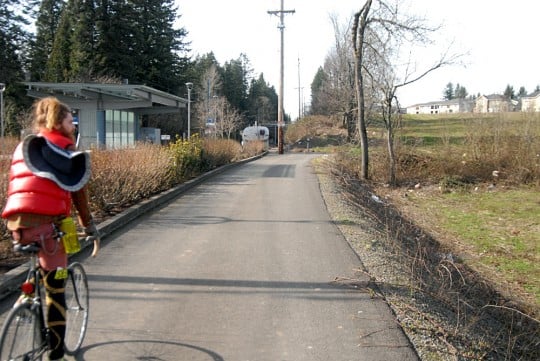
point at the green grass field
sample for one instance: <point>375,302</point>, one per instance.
<point>498,231</point>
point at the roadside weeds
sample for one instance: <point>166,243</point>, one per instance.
<point>447,310</point>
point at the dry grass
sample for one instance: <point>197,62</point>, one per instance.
<point>439,296</point>
<point>124,176</point>
<point>465,219</point>
<point>322,133</point>
<point>467,149</point>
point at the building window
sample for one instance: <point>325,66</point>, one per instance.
<point>119,129</point>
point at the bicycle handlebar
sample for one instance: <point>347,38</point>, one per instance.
<point>26,248</point>
<point>34,247</point>
<point>96,240</point>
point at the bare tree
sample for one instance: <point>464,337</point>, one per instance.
<point>390,109</point>
<point>228,119</point>
<point>205,108</point>
<point>379,36</point>
<point>342,62</point>
<point>335,94</point>
<point>360,24</point>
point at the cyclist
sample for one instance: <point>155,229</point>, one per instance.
<point>41,192</point>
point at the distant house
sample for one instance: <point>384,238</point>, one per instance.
<point>441,107</point>
<point>531,103</point>
<point>494,103</point>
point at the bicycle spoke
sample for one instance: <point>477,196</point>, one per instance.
<point>21,335</point>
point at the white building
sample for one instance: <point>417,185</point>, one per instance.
<point>531,103</point>
<point>110,115</point>
<point>442,107</point>
<point>494,103</point>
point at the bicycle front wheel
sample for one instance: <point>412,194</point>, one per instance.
<point>77,307</point>
<point>21,338</point>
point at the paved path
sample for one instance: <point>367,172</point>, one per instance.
<point>245,266</point>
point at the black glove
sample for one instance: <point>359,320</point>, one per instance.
<point>91,230</point>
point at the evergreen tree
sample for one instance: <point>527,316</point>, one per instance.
<point>262,102</point>
<point>509,92</point>
<point>200,66</point>
<point>522,92</point>
<point>113,56</point>
<point>83,43</point>
<point>11,68</point>
<point>157,44</point>
<point>448,93</point>
<point>14,45</point>
<point>318,103</point>
<point>46,25</point>
<point>58,65</point>
<point>460,92</point>
<point>235,82</point>
<point>13,40</point>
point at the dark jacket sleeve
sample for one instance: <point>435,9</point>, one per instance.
<point>80,200</point>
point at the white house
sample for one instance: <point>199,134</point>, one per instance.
<point>494,103</point>
<point>441,107</point>
<point>531,103</point>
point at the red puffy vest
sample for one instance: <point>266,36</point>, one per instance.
<point>30,194</point>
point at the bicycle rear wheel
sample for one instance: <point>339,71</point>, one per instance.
<point>21,338</point>
<point>77,307</point>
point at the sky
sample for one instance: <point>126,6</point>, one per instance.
<point>497,41</point>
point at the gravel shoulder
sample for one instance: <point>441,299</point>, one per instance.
<point>447,311</point>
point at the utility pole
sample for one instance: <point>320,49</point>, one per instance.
<point>299,93</point>
<point>281,27</point>
<point>189,87</point>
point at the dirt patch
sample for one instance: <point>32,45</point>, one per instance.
<point>448,310</point>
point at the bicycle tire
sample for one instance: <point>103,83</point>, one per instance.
<point>77,308</point>
<point>21,337</point>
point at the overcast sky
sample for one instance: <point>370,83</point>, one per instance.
<point>499,39</point>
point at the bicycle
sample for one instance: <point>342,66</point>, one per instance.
<point>24,335</point>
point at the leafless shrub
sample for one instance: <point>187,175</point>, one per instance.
<point>311,127</point>
<point>124,176</point>
<point>252,148</point>
<point>473,319</point>
<point>509,145</point>
<point>218,152</point>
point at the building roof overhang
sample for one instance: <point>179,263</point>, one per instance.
<point>141,98</point>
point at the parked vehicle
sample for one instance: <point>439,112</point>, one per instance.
<point>256,133</point>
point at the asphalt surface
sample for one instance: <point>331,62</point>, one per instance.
<point>241,264</point>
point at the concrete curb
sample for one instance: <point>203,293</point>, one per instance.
<point>11,280</point>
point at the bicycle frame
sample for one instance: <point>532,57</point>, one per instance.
<point>37,302</point>
<point>27,321</point>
